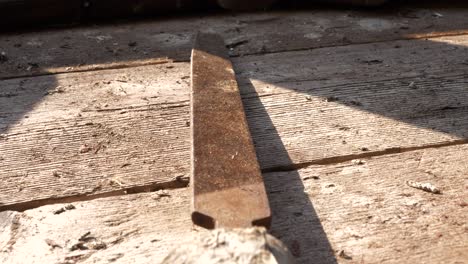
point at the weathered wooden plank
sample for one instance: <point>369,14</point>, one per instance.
<point>343,101</point>
<point>363,208</point>
<point>93,133</point>
<point>144,111</point>
<point>368,211</point>
<point>355,63</point>
<point>249,33</point>
<point>363,122</point>
<point>48,98</point>
<point>126,224</point>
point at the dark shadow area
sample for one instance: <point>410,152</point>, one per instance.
<point>423,83</point>
<point>19,96</point>
<point>291,224</point>
<point>37,15</point>
<point>41,14</point>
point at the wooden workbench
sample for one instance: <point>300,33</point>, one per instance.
<point>344,106</point>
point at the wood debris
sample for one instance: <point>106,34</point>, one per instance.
<point>58,89</point>
<point>160,194</point>
<point>372,61</point>
<point>65,208</point>
<point>98,147</point>
<point>56,174</point>
<point>251,245</point>
<point>52,243</point>
<point>427,187</point>
<point>311,177</point>
<point>85,148</point>
<point>86,241</point>
<point>85,236</point>
<point>116,181</point>
<point>412,85</point>
<point>59,211</point>
<point>357,162</point>
<point>331,99</point>
<point>342,254</point>
<point>236,44</point>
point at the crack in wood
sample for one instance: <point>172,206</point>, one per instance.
<point>177,183</point>
<point>369,154</point>
<point>90,68</point>
<point>183,182</point>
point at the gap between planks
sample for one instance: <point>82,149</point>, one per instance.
<point>183,182</point>
<point>104,67</point>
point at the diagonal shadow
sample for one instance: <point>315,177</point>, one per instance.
<point>18,98</point>
<point>294,219</point>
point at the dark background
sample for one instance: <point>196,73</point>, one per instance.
<point>21,14</point>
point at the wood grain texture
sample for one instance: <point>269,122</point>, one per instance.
<point>335,102</point>
<point>124,45</point>
<point>367,210</point>
<point>136,119</point>
<point>86,134</point>
<point>364,208</point>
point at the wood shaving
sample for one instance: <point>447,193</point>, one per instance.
<point>85,236</point>
<point>427,187</point>
<point>87,241</point>
<point>116,181</point>
<point>160,194</point>
<point>357,162</point>
<point>65,208</point>
<point>69,207</point>
<point>52,243</point>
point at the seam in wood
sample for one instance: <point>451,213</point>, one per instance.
<point>177,183</point>
<point>370,154</point>
<point>113,66</point>
<point>144,108</point>
<point>183,182</point>
<point>459,74</point>
<point>254,94</point>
